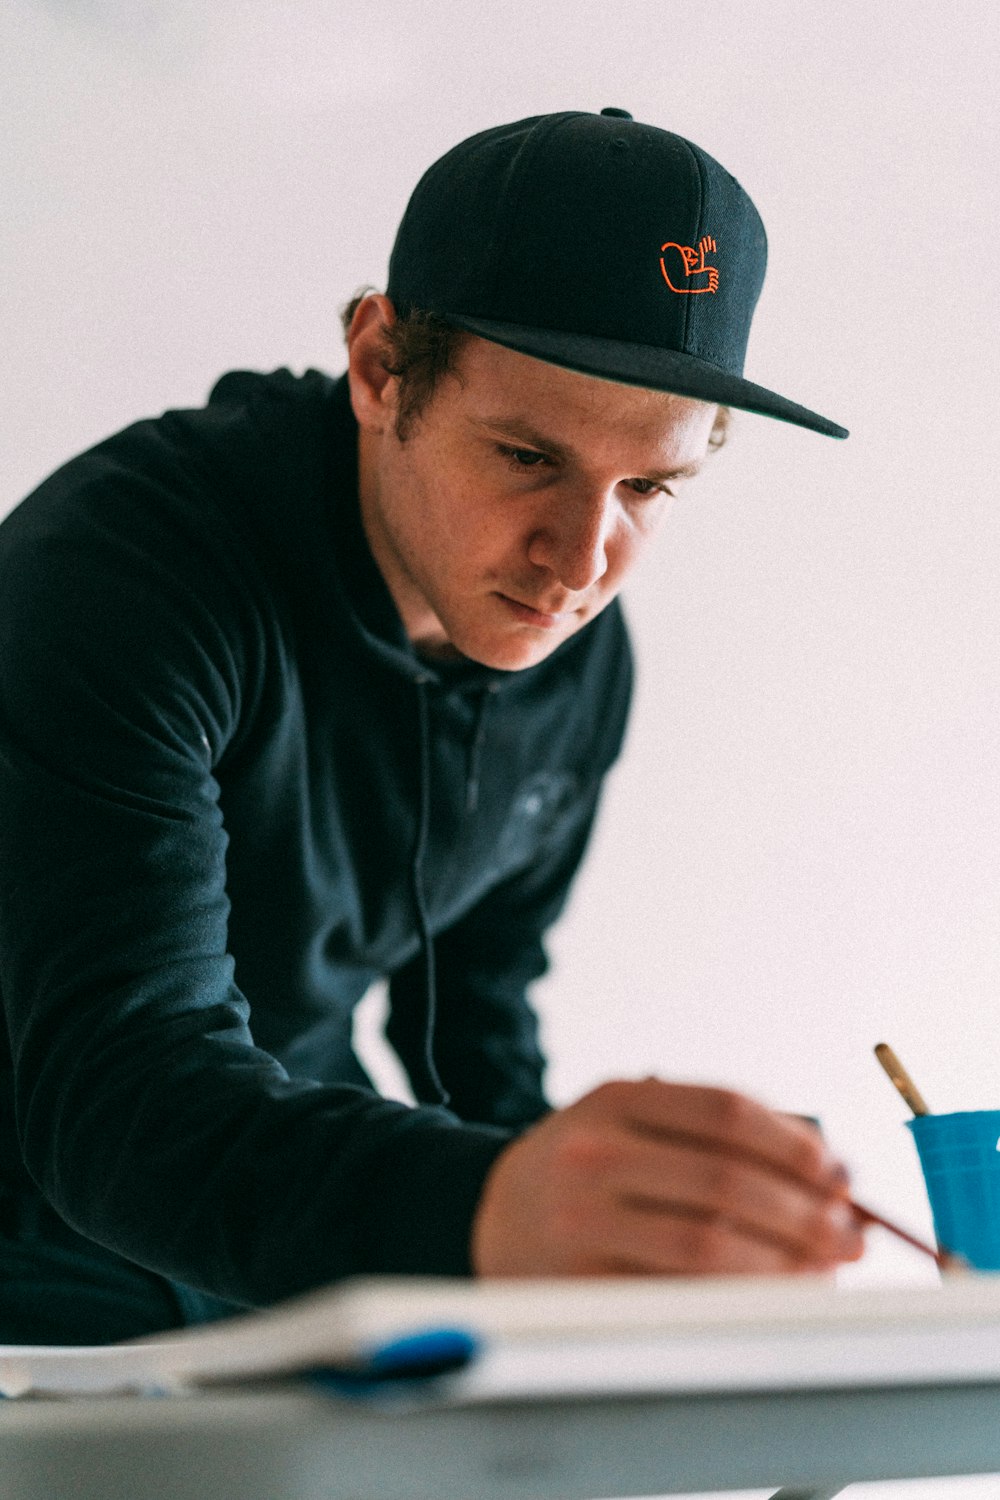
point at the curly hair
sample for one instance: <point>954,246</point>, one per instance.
<point>420,348</point>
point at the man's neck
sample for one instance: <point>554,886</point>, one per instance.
<point>422,626</point>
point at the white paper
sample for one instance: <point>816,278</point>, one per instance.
<point>571,1336</point>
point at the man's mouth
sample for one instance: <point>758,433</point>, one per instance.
<point>529,615</point>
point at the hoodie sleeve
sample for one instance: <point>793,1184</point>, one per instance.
<point>145,1113</point>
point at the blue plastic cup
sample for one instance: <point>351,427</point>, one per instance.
<point>960,1158</point>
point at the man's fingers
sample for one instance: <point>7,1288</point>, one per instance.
<point>668,1176</point>
<point>722,1120</point>
<point>640,1242</point>
<point>665,1178</point>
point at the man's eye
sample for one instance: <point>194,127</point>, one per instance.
<point>528,458</point>
<point>650,487</point>
<point>522,458</point>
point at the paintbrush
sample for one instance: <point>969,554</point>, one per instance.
<point>901,1078</point>
<point>944,1259</point>
<point>903,1083</point>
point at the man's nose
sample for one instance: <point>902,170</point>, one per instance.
<point>572,541</point>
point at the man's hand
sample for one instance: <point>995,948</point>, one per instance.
<point>653,1178</point>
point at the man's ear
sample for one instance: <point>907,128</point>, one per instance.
<point>373,389</point>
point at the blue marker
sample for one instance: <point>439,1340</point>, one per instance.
<point>417,1357</point>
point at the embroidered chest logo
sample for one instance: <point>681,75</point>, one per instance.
<point>691,264</point>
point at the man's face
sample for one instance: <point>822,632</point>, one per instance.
<point>519,502</point>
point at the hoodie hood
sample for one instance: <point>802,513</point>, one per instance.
<point>346,562</point>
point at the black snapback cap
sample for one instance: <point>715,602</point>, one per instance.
<point>600,244</point>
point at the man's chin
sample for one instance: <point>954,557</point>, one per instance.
<point>510,652</point>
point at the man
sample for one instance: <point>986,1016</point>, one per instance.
<point>319,684</point>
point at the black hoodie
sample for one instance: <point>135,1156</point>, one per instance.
<point>231,797</point>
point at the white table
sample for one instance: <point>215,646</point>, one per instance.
<point>289,1442</point>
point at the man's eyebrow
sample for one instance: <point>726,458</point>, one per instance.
<point>522,429</point>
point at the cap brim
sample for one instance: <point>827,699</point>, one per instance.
<point>648,366</point>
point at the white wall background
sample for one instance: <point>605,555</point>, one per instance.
<point>800,851</point>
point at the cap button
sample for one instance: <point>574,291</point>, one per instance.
<point>617,114</point>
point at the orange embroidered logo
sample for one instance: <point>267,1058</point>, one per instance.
<point>693,264</point>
